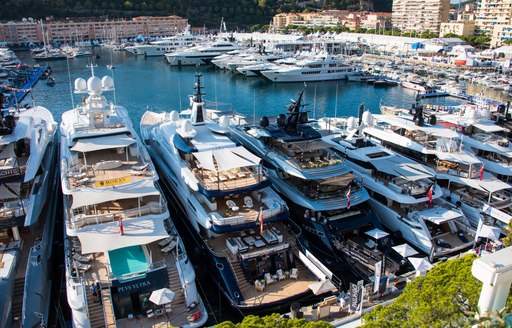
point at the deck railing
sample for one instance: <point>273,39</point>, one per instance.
<point>276,208</point>
<point>81,220</point>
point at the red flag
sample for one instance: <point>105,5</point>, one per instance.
<point>121,229</point>
<point>348,197</point>
<point>429,194</point>
<point>261,221</point>
<point>482,172</point>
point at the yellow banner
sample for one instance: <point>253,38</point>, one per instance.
<point>112,182</point>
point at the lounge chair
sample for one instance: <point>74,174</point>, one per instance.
<point>165,242</point>
<point>248,202</point>
<point>167,308</point>
<point>169,247</point>
<point>259,286</point>
<point>268,279</point>
<point>82,267</point>
<point>232,205</point>
<point>294,274</point>
<point>82,258</point>
<point>280,274</point>
<point>140,167</point>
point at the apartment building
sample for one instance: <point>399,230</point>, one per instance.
<point>491,13</point>
<point>376,21</point>
<point>464,28</point>
<point>80,29</point>
<point>420,15</point>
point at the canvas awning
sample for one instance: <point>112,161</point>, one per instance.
<point>438,215</point>
<point>97,196</point>
<point>108,142</point>
<point>489,127</point>
<point>106,237</point>
<point>226,158</point>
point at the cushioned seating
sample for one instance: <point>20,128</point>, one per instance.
<point>248,202</point>
<point>294,274</point>
<point>268,279</point>
<point>170,247</point>
<point>280,274</point>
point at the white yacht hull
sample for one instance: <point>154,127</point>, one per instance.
<point>299,77</point>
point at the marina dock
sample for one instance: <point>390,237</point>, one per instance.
<point>21,91</point>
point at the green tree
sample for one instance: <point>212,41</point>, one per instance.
<point>443,298</point>
<point>273,321</point>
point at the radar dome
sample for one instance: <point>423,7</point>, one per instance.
<point>472,114</point>
<point>186,126</point>
<point>107,82</point>
<point>485,113</point>
<point>94,85</point>
<point>174,116</point>
<point>224,121</point>
<point>80,84</point>
<point>367,118</point>
<point>351,123</point>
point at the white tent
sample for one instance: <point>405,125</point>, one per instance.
<point>420,264</point>
<point>405,250</point>
<point>162,296</point>
<point>489,232</point>
<point>321,287</point>
<point>376,233</point>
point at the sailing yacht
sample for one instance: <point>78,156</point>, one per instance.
<point>119,237</point>
<point>460,173</point>
<point>254,253</point>
<point>324,197</point>
<point>28,150</point>
<point>404,196</point>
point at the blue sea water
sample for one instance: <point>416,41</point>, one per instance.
<point>151,84</point>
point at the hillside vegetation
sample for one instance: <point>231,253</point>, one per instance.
<point>236,13</point>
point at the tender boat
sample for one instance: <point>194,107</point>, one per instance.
<point>255,254</point>
<point>28,195</point>
<point>124,259</point>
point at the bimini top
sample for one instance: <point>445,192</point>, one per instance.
<point>97,196</point>
<point>100,143</point>
<point>226,159</point>
<point>98,238</point>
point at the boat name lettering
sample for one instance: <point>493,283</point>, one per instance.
<point>112,182</point>
<point>9,172</point>
<point>136,286</point>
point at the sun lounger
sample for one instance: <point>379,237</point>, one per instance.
<point>169,247</point>
<point>140,167</point>
<point>82,267</point>
<point>82,258</point>
<point>165,242</point>
<point>248,202</point>
<point>232,205</point>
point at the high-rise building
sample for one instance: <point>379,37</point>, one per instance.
<point>420,15</point>
<point>490,13</point>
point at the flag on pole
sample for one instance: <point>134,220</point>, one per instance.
<point>482,172</point>
<point>348,197</point>
<point>121,229</point>
<point>261,221</point>
<point>429,194</point>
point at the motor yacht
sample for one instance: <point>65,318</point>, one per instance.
<point>239,223</point>
<point>124,259</point>
<point>28,209</point>
<point>404,195</point>
<point>165,45</point>
<point>321,67</point>
<point>200,54</point>
<point>321,190</point>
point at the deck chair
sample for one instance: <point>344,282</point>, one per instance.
<point>140,167</point>
<point>169,247</point>
<point>167,308</point>
<point>268,279</point>
<point>81,266</point>
<point>232,205</point>
<point>280,274</point>
<point>294,274</point>
<point>82,258</point>
<point>248,202</point>
<point>259,286</point>
<point>165,242</point>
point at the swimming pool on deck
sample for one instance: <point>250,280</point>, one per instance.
<point>128,261</point>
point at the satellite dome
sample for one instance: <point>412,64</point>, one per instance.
<point>174,116</point>
<point>485,113</point>
<point>367,118</point>
<point>80,84</point>
<point>94,85</point>
<point>351,123</point>
<point>186,126</point>
<point>107,82</point>
<point>224,122</point>
<point>472,114</point>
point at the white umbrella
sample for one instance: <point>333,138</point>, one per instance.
<point>376,233</point>
<point>405,250</point>
<point>489,232</point>
<point>420,264</point>
<point>162,296</point>
<point>322,287</point>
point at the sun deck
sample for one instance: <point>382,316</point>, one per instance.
<point>105,168</point>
